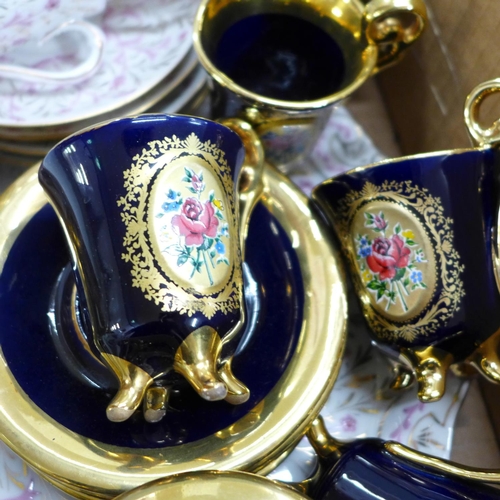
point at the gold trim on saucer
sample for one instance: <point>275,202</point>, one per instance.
<point>214,485</point>
<point>89,469</point>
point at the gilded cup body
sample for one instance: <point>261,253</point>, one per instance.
<point>419,235</point>
<point>283,65</point>
<point>149,208</point>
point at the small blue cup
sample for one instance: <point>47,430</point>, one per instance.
<point>420,237</point>
<point>149,209</point>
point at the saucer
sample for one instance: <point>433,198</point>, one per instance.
<point>143,46</point>
<point>176,92</point>
<point>290,363</point>
<point>215,485</point>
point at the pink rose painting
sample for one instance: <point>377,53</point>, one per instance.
<point>390,265</point>
<point>198,221</point>
<point>388,255</point>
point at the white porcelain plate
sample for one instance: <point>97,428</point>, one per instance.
<point>145,41</point>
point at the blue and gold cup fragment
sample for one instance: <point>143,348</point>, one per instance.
<point>372,468</point>
<point>282,65</point>
<point>150,210</point>
<point>420,236</point>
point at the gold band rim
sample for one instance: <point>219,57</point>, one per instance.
<point>368,62</point>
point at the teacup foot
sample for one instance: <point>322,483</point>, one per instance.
<point>155,403</point>
<point>237,392</point>
<point>196,360</point>
<point>403,377</point>
<point>486,358</point>
<point>430,365</point>
<point>134,383</point>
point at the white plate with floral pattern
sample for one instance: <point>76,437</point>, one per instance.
<point>145,41</point>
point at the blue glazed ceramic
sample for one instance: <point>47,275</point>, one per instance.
<point>148,205</point>
<point>54,416</point>
<point>368,470</point>
<point>78,402</point>
<point>281,65</point>
<point>419,236</point>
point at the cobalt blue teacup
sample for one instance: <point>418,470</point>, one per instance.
<point>420,237</point>
<point>150,209</point>
<point>282,65</point>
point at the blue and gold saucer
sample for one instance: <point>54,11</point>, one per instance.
<point>55,420</point>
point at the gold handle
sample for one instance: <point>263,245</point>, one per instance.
<point>250,183</point>
<point>393,25</point>
<point>480,135</point>
<point>326,446</point>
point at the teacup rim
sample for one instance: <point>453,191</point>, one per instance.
<point>131,118</point>
<point>398,159</point>
<point>369,56</point>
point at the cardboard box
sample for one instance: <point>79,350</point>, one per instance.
<point>425,93</point>
<point>424,98</point>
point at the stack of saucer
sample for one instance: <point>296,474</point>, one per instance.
<point>147,63</point>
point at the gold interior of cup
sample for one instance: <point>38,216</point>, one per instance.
<point>340,19</point>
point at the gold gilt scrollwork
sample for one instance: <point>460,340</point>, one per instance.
<point>146,274</point>
<point>449,269</point>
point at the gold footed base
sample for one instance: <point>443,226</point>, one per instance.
<point>134,383</point>
<point>403,377</point>
<point>486,358</point>
<point>430,365</point>
<point>237,392</point>
<point>155,403</point>
<point>196,359</point>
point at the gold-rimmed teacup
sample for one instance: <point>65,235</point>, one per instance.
<point>420,235</point>
<point>283,65</point>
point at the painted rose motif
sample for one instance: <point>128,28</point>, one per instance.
<point>196,221</point>
<point>389,263</point>
<point>198,224</point>
<point>387,256</point>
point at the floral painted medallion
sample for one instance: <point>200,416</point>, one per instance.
<point>188,225</point>
<point>395,259</point>
<point>400,245</point>
<point>182,238</point>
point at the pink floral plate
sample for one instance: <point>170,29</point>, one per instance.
<point>145,41</point>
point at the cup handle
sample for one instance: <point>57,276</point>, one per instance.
<point>250,182</point>
<point>393,25</point>
<point>94,38</point>
<point>330,451</point>
<point>481,136</point>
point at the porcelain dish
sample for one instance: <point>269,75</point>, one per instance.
<point>133,73</point>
